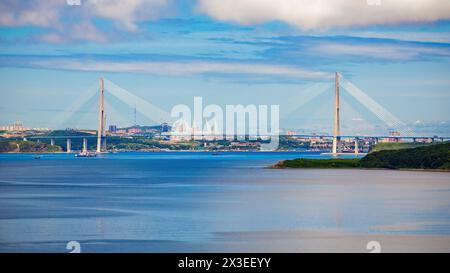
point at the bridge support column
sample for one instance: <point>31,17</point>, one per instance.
<point>52,142</point>
<point>335,145</point>
<point>356,147</point>
<point>84,145</point>
<point>69,145</point>
<point>337,129</point>
<point>38,140</point>
<point>24,139</point>
<point>101,119</point>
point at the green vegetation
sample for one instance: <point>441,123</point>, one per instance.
<point>288,143</point>
<point>145,143</point>
<point>7,146</point>
<point>427,157</point>
<point>19,146</point>
<point>318,163</point>
<point>397,146</point>
<point>67,133</point>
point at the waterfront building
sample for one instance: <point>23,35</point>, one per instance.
<point>18,127</point>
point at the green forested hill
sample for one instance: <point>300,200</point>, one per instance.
<point>397,146</point>
<point>19,146</point>
<point>428,157</point>
<point>435,156</point>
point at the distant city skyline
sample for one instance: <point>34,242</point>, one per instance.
<point>228,52</point>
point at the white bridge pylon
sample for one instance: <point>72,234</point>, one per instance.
<point>142,106</point>
<point>377,110</point>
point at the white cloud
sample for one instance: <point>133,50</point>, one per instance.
<point>427,37</point>
<point>49,12</point>
<point>182,68</point>
<point>70,23</point>
<point>127,13</point>
<point>81,31</point>
<point>35,13</point>
<point>380,51</point>
<point>319,14</point>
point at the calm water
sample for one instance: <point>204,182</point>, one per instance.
<point>201,202</point>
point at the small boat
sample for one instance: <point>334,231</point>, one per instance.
<point>215,153</point>
<point>38,157</point>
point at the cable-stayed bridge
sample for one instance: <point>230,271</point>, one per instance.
<point>159,116</point>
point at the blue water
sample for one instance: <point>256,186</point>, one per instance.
<point>181,201</point>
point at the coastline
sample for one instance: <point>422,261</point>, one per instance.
<point>168,151</point>
<point>279,166</point>
<point>430,158</point>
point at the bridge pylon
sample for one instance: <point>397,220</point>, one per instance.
<point>337,125</point>
<point>101,147</point>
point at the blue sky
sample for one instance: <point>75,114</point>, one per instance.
<point>229,52</point>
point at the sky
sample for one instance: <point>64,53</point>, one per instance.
<point>260,52</point>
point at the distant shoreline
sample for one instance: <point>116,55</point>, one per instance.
<point>171,151</point>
